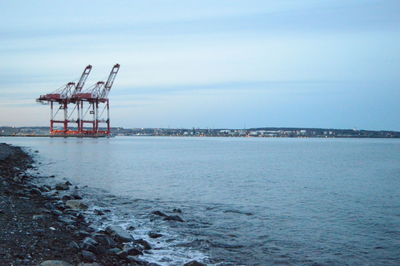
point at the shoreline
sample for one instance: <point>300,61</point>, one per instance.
<point>44,224</point>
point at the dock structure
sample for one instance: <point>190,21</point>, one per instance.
<point>86,109</point>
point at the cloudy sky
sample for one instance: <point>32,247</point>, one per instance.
<point>306,63</point>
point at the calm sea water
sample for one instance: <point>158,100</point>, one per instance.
<point>245,201</point>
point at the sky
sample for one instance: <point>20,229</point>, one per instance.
<point>208,64</point>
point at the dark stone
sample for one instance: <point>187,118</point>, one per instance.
<point>132,251</point>
<point>131,228</point>
<point>98,212</point>
<point>66,197</point>
<point>74,245</point>
<point>113,251</point>
<point>146,245</point>
<point>135,261</point>
<point>90,241</point>
<point>88,256</point>
<point>62,186</point>
<point>35,191</point>
<point>177,210</point>
<point>81,234</point>
<point>66,220</point>
<point>159,213</point>
<point>105,240</point>
<point>154,235</point>
<point>71,227</point>
<point>173,218</point>
<point>194,263</point>
<point>122,254</point>
<point>56,212</point>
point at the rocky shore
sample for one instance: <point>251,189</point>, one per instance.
<point>44,225</point>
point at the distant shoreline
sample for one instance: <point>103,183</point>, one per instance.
<point>205,136</point>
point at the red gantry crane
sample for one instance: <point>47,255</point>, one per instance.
<point>92,98</point>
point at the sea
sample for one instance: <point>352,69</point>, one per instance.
<point>244,201</point>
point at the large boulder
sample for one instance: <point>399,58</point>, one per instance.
<point>119,234</point>
<point>76,205</point>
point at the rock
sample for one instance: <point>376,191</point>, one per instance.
<point>88,256</point>
<point>131,228</point>
<point>174,218</point>
<point>132,251</point>
<point>146,245</point>
<point>56,212</point>
<point>136,261</point>
<point>119,234</point>
<point>71,227</point>
<point>45,188</point>
<point>35,191</point>
<point>66,220</point>
<point>74,245</point>
<point>91,241</point>
<point>54,263</point>
<point>105,240</point>
<point>76,204</point>
<point>177,210</point>
<point>62,186</point>
<point>154,235</point>
<point>194,263</point>
<point>38,217</point>
<point>89,264</point>
<point>66,197</point>
<point>122,254</point>
<point>113,251</point>
<point>81,234</point>
<point>98,212</point>
<point>159,213</point>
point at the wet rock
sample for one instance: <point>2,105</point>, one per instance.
<point>71,227</point>
<point>154,235</point>
<point>119,234</point>
<point>113,251</point>
<point>89,245</point>
<point>174,218</point>
<point>38,217</point>
<point>74,245</point>
<point>105,240</point>
<point>35,191</point>
<point>194,263</point>
<point>66,197</point>
<point>122,254</point>
<point>177,210</point>
<point>88,264</point>
<point>88,256</point>
<point>146,245</point>
<point>98,212</point>
<point>76,204</point>
<point>159,213</point>
<point>81,234</point>
<point>132,251</point>
<point>56,212</point>
<point>45,188</point>
<point>136,261</point>
<point>131,228</point>
<point>54,263</point>
<point>66,220</point>
<point>62,186</point>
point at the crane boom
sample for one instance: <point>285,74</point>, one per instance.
<point>83,78</point>
<point>110,81</point>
